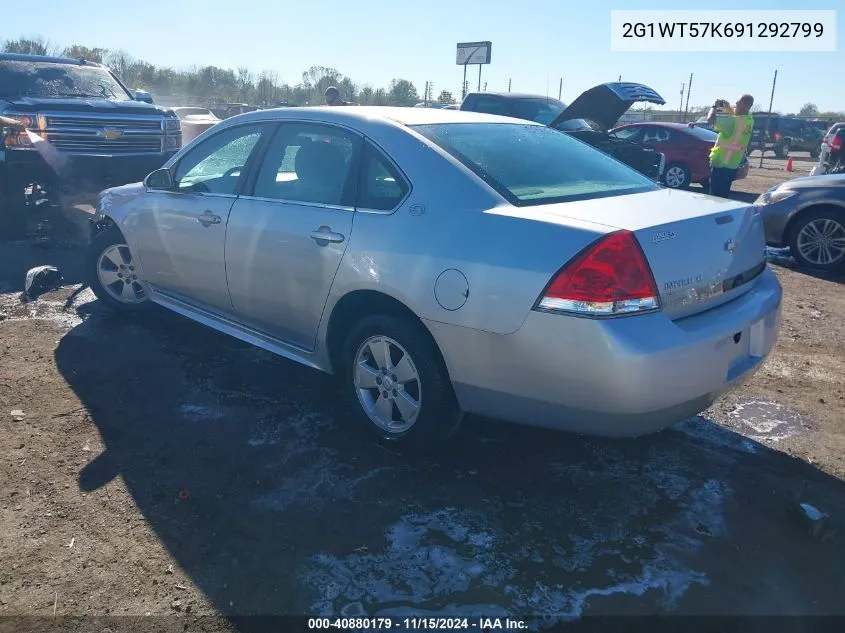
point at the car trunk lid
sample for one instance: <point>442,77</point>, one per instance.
<point>703,251</point>
<point>606,103</point>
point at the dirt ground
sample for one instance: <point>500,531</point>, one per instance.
<point>164,470</point>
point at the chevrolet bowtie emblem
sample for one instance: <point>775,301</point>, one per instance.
<point>111,133</point>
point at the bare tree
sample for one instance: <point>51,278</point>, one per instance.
<point>120,62</point>
<point>77,51</point>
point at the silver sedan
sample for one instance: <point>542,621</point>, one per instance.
<point>442,262</point>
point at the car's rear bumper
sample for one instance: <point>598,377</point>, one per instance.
<point>620,377</point>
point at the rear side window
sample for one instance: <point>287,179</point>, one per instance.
<point>628,133</point>
<point>382,187</point>
<point>488,105</point>
<point>538,110</point>
<point>534,164</point>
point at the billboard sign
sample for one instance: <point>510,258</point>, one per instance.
<point>471,53</point>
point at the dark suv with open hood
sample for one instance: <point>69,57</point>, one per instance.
<point>588,118</point>
<point>81,131</point>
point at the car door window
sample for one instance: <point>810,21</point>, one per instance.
<point>215,165</point>
<point>381,185</point>
<point>312,163</point>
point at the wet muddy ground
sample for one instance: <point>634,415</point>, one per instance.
<point>161,468</point>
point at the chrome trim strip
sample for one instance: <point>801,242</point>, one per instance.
<point>228,326</point>
<point>314,205</point>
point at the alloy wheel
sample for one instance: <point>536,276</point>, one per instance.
<point>675,177</point>
<point>822,242</point>
<point>387,384</point>
<point>117,275</point>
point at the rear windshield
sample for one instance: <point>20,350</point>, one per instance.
<point>533,164</point>
<point>539,110</point>
<point>45,80</point>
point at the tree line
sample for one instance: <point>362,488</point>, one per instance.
<point>212,84</point>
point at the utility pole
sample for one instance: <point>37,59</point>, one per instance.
<point>681,105</point>
<point>771,102</point>
<point>425,95</point>
<point>509,85</point>
<point>560,89</point>
<point>689,89</point>
<point>620,78</point>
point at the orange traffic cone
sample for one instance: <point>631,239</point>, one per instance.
<point>789,163</point>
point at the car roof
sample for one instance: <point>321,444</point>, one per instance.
<point>515,95</point>
<point>363,116</point>
<point>15,57</point>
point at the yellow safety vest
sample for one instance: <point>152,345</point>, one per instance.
<point>734,137</point>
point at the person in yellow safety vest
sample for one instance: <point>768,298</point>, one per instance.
<point>734,128</point>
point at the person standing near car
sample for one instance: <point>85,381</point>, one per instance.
<point>333,98</point>
<point>734,129</point>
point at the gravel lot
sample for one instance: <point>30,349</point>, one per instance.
<point>164,469</point>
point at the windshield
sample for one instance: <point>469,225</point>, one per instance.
<point>47,80</point>
<point>532,164</point>
<point>703,133</point>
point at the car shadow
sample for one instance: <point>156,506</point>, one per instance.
<point>257,481</point>
<point>781,257</point>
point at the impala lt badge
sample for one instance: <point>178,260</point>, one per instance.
<point>662,236</point>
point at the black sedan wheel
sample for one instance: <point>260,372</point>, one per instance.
<point>818,240</point>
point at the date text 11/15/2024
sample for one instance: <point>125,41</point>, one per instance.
<point>416,624</point>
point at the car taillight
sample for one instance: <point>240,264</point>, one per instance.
<point>610,277</point>
<point>836,142</point>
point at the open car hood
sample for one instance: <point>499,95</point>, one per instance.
<point>606,103</point>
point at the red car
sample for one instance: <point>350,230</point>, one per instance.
<point>687,149</point>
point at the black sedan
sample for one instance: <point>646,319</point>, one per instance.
<point>808,216</point>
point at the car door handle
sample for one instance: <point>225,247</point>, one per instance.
<point>207,218</point>
<point>325,235</point>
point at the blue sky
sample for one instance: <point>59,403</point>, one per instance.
<point>535,43</point>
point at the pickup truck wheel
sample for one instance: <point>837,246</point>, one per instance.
<point>111,274</point>
<point>677,176</point>
<point>782,150</point>
<point>13,214</point>
<point>397,383</point>
<point>818,239</point>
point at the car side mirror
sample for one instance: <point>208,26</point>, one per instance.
<point>159,180</point>
<point>143,95</point>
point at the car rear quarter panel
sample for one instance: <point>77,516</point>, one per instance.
<point>452,220</point>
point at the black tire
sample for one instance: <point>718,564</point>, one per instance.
<point>683,173</point>
<point>105,239</point>
<point>13,214</point>
<point>807,217</point>
<point>782,150</point>
<point>439,415</point>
